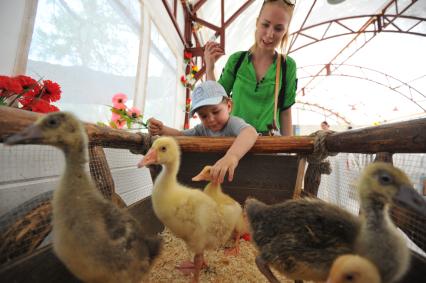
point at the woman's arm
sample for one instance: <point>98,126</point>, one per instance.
<point>286,122</point>
<point>212,52</point>
<point>227,164</point>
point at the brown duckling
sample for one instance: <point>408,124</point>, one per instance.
<point>97,241</point>
<point>189,213</point>
<point>353,269</point>
<point>301,238</point>
<point>214,191</point>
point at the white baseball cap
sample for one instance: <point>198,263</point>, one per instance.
<point>207,93</point>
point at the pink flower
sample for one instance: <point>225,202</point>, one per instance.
<point>119,100</point>
<point>134,112</point>
<point>117,120</point>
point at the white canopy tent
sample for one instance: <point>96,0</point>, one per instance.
<point>350,72</point>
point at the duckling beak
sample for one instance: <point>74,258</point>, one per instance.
<point>29,135</point>
<point>197,178</point>
<point>407,196</point>
<point>204,175</point>
<point>149,158</point>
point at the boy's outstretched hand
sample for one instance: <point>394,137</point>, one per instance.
<point>155,127</point>
<point>226,164</point>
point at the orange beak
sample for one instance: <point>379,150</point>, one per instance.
<point>149,158</point>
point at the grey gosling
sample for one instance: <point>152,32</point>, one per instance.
<point>97,241</point>
<point>301,238</point>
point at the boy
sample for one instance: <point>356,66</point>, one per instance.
<point>211,103</point>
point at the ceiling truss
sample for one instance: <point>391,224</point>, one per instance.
<point>398,23</point>
<point>390,19</point>
<point>313,107</point>
<point>345,70</point>
<point>392,11</point>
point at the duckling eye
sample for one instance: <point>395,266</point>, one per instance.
<point>163,149</point>
<point>349,277</point>
<point>52,123</point>
<point>385,178</point>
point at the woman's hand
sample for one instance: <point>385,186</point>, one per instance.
<point>155,127</point>
<point>212,52</point>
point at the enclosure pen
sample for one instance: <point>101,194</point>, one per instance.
<point>275,170</point>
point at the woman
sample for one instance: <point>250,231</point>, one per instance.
<point>250,76</point>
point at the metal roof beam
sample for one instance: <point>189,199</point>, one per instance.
<point>371,21</point>
<point>330,70</point>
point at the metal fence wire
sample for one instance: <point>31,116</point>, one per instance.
<point>30,173</point>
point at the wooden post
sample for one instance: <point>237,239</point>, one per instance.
<point>101,175</point>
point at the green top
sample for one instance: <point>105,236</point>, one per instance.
<point>254,101</point>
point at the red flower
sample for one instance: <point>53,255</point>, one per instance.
<point>187,55</point>
<point>53,108</point>
<point>51,91</point>
<point>10,85</point>
<point>38,105</point>
<point>25,101</point>
<point>183,79</point>
<point>26,82</point>
<point>31,95</point>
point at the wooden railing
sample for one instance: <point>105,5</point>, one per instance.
<point>400,137</point>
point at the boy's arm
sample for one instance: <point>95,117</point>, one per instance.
<point>156,127</point>
<point>241,145</point>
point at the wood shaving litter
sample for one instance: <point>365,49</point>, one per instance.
<point>221,268</point>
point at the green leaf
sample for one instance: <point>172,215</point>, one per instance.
<point>112,125</point>
<point>102,124</point>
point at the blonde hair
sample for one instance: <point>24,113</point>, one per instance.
<point>288,8</point>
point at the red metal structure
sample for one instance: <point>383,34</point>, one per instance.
<point>391,19</point>
<point>189,36</point>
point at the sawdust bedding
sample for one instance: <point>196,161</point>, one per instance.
<point>221,268</point>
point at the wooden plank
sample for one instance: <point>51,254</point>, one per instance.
<point>41,266</point>
<point>268,177</point>
<point>13,120</point>
<point>404,137</point>
<point>144,213</point>
<point>417,271</point>
<point>277,144</point>
<point>299,178</point>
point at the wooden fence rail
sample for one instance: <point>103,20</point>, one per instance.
<point>402,137</point>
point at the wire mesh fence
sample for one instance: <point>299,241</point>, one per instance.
<point>340,188</point>
<point>30,173</point>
